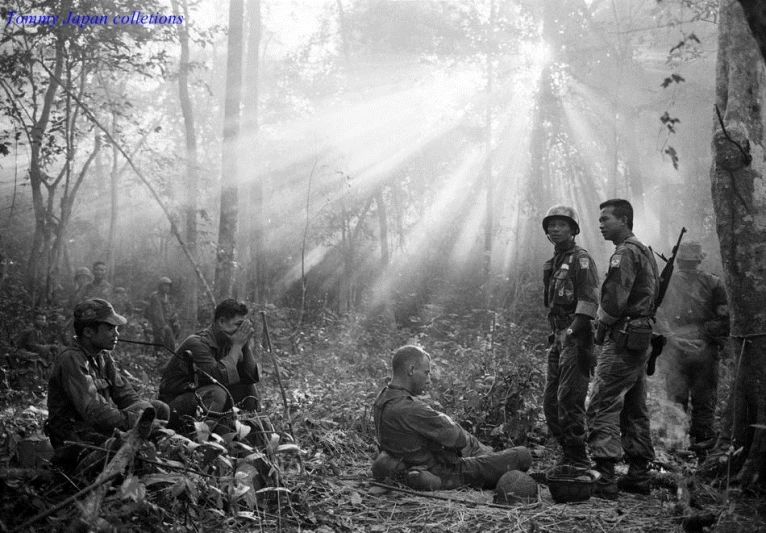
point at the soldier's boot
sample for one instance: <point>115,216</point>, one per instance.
<point>387,466</point>
<point>422,480</point>
<point>701,445</point>
<point>576,456</point>
<point>606,485</point>
<point>637,480</point>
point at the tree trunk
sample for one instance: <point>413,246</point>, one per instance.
<point>756,18</point>
<point>227,228</point>
<point>739,199</point>
<point>383,224</point>
<point>488,162</point>
<point>113,178</point>
<point>192,168</point>
<point>42,238</point>
<point>252,250</point>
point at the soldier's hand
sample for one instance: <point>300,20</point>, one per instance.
<point>243,333</point>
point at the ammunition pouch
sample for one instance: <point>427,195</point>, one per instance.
<point>634,335</point>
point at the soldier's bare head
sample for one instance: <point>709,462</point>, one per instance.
<point>620,208</point>
<point>412,369</point>
<point>406,356</point>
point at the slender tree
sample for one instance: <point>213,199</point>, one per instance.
<point>192,166</point>
<point>227,228</point>
<point>253,240</point>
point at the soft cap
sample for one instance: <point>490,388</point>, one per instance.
<point>98,310</point>
<point>690,251</point>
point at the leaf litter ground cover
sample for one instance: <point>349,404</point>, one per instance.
<point>313,473</point>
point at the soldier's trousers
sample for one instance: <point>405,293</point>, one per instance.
<point>694,375</point>
<point>564,399</point>
<point>481,471</point>
<point>618,419</point>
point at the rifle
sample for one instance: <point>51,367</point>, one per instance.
<point>658,341</point>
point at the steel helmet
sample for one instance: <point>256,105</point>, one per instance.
<point>565,212</point>
<point>82,271</point>
<point>165,280</point>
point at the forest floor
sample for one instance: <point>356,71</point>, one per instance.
<point>314,473</point>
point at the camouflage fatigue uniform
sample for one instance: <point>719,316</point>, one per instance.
<point>88,398</point>
<point>691,363</point>
<point>571,287</point>
<point>417,438</point>
<point>103,290</point>
<point>618,418</point>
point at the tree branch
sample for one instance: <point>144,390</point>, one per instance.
<point>155,195</point>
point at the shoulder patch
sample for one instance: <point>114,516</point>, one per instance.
<point>615,262</point>
<point>584,263</point>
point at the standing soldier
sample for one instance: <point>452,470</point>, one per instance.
<point>82,277</point>
<point>122,304</point>
<point>99,287</point>
<point>571,295</point>
<point>697,318</point>
<point>163,316</point>
<point>618,419</point>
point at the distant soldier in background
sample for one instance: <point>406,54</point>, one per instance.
<point>82,277</point>
<point>571,294</point>
<point>163,316</point>
<point>38,339</point>
<point>122,304</point>
<point>99,287</point>
<point>696,318</point>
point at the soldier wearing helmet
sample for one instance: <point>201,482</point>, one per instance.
<point>570,280</point>
<point>82,277</point>
<point>695,315</point>
<point>163,315</point>
<point>98,287</point>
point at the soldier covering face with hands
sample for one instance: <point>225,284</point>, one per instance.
<point>221,351</point>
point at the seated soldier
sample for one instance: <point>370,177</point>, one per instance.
<point>36,339</point>
<point>87,396</point>
<point>425,449</point>
<point>221,351</point>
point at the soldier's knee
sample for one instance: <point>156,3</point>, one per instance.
<point>213,397</point>
<point>523,458</point>
<point>161,409</point>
